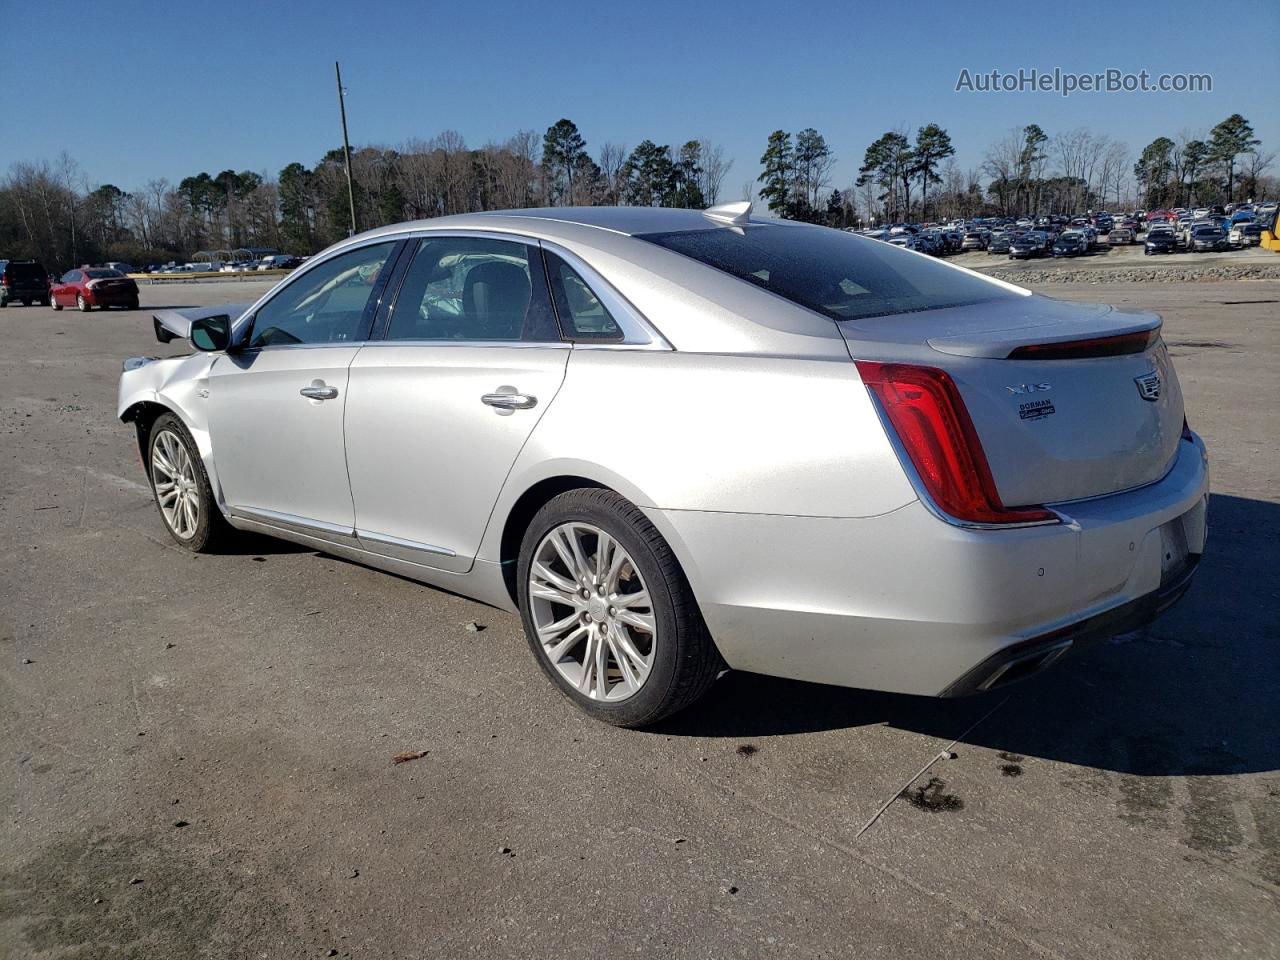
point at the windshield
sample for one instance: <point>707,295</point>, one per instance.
<point>835,273</point>
<point>101,274</point>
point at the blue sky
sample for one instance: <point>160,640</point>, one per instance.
<point>138,90</point>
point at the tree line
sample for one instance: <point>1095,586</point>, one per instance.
<point>48,210</point>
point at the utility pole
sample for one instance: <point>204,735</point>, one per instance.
<point>346,148</point>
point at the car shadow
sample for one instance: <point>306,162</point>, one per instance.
<point>1194,693</point>
<point>248,544</point>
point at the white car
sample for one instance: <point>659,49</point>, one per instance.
<point>673,441</point>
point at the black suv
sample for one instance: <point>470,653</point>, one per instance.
<point>24,280</point>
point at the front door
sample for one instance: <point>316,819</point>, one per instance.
<point>276,405</point>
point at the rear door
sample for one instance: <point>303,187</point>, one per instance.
<point>438,410</point>
<point>276,406</point>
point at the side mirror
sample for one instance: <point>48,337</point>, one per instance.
<point>211,333</point>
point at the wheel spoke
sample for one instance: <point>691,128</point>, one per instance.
<point>554,654</point>
<point>161,462</point>
<point>553,630</point>
<point>630,664</point>
<point>641,621</point>
<point>602,667</point>
<point>629,601</point>
<point>604,552</point>
<point>555,583</point>
<point>588,662</point>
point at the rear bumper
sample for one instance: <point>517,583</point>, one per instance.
<point>907,603</point>
<point>111,298</point>
<point>1021,660</point>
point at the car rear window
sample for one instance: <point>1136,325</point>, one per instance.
<point>25,271</point>
<point>102,274</point>
<point>840,275</point>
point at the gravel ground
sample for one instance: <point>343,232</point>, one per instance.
<point>1128,264</point>
<point>199,749</point>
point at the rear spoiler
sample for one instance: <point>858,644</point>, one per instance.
<point>176,324</point>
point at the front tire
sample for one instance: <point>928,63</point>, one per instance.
<point>608,612</point>
<point>82,304</point>
<point>53,302</point>
<point>181,487</point>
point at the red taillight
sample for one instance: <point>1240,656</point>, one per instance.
<point>927,412</point>
<point>1084,349</point>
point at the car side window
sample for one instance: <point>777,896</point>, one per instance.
<point>71,277</point>
<point>473,288</point>
<point>324,305</point>
<point>582,315</point>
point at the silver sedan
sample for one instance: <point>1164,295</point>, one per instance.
<point>678,441</point>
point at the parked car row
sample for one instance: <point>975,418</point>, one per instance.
<point>1203,229</point>
<point>28,282</point>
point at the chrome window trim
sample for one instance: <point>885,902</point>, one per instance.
<point>513,344</point>
<point>637,331</point>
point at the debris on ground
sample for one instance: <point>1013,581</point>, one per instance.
<point>181,823</point>
<point>747,750</point>
<point>353,874</point>
<point>473,627</point>
<point>506,851</point>
<point>27,660</point>
<point>409,755</point>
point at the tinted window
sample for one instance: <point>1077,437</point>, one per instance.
<point>102,274</point>
<point>582,315</point>
<point>830,271</point>
<point>25,271</point>
<point>472,288</point>
<point>73,276</point>
<point>325,304</point>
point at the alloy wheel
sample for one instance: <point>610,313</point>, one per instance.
<point>592,612</point>
<point>177,491</point>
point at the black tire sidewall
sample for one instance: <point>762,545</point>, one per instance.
<point>608,513</point>
<point>205,525</point>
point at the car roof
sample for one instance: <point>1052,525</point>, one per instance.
<point>629,221</point>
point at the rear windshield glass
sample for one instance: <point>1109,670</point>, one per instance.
<point>25,271</point>
<point>835,273</point>
<point>102,274</point>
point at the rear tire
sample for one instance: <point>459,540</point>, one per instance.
<point>26,303</point>
<point>55,304</point>
<point>181,487</point>
<point>670,658</point>
<point>132,305</point>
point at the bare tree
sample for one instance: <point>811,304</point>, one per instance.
<point>714,169</point>
<point>612,157</point>
<point>1002,164</point>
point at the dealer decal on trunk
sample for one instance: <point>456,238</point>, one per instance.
<point>1035,409</point>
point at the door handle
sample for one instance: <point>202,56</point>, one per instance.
<point>319,391</point>
<point>509,401</point>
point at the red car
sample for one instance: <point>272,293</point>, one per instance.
<point>91,287</point>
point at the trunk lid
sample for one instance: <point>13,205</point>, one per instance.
<point>1053,429</point>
